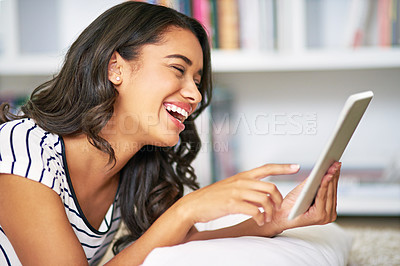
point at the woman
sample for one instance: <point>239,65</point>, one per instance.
<point>112,136</point>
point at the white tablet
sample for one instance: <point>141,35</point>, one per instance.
<point>349,118</point>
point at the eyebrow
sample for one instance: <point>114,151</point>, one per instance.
<point>184,58</point>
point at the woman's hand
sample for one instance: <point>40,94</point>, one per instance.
<point>242,193</point>
<point>323,210</point>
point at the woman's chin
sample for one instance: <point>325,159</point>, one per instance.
<point>167,142</point>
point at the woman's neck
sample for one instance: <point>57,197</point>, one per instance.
<point>95,180</point>
<point>89,162</point>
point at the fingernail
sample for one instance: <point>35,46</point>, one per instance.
<point>295,166</point>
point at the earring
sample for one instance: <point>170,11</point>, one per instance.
<point>118,78</point>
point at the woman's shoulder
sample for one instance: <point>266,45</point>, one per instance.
<point>25,130</point>
<point>29,151</point>
<point>18,128</point>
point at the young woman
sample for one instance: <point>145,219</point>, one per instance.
<point>111,138</point>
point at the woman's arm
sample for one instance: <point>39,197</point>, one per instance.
<point>34,220</point>
<point>42,234</point>
<point>322,212</point>
<point>169,229</point>
<point>242,193</point>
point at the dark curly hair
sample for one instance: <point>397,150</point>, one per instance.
<point>80,100</point>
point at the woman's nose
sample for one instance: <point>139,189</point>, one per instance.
<point>191,92</point>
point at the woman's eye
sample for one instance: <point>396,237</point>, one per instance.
<point>181,70</point>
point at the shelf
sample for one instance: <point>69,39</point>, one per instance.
<point>242,61</point>
<point>248,61</point>
<point>365,199</point>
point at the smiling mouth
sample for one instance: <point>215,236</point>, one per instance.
<point>176,112</point>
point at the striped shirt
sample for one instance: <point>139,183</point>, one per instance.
<point>28,151</point>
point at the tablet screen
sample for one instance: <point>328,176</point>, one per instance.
<point>349,118</point>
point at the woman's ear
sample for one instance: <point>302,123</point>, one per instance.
<point>115,69</point>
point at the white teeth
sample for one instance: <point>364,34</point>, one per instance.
<point>174,108</point>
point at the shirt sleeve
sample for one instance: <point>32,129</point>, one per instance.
<point>27,150</point>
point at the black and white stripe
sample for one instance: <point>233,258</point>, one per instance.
<point>29,151</point>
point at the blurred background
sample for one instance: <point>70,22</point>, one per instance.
<point>282,71</point>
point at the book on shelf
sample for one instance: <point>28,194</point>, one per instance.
<point>201,11</point>
<point>214,24</point>
<point>257,24</point>
<point>384,22</point>
<point>228,24</point>
<point>250,37</point>
<point>204,12</point>
<point>353,23</point>
<point>183,6</point>
<point>233,24</point>
<point>379,25</point>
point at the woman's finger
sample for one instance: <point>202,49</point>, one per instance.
<point>269,211</point>
<point>330,198</point>
<point>265,188</point>
<point>262,200</point>
<point>333,194</point>
<point>247,208</point>
<point>336,183</point>
<point>337,175</point>
<point>334,168</point>
<point>271,169</point>
<point>320,200</point>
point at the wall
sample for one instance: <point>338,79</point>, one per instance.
<point>268,102</point>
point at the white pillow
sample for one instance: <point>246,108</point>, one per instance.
<point>312,245</point>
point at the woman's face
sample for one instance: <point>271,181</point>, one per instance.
<point>158,91</point>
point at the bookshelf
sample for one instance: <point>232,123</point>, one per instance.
<point>254,61</point>
<point>296,44</point>
<point>266,79</point>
